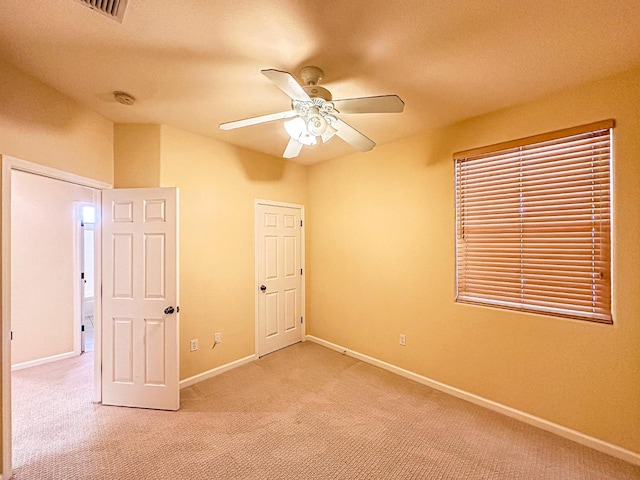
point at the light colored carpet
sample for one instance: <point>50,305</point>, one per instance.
<point>304,412</point>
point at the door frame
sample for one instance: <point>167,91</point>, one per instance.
<point>303,279</point>
<point>9,164</point>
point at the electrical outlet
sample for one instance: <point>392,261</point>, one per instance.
<point>403,340</point>
<point>217,337</point>
<point>194,345</point>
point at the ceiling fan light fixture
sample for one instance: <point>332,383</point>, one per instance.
<point>328,134</point>
<point>297,130</point>
<point>308,140</point>
<point>315,123</point>
<point>294,127</point>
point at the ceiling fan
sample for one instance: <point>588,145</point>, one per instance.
<point>313,112</point>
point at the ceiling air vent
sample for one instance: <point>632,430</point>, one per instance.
<point>113,9</point>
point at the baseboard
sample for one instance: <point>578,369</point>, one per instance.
<point>578,437</point>
<point>42,361</point>
<point>187,382</point>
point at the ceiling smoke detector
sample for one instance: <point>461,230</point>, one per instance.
<point>113,9</point>
<point>124,98</point>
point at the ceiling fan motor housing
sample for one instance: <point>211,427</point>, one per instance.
<point>311,76</point>
<point>316,91</point>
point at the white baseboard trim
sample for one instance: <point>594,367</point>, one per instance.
<point>42,361</point>
<point>187,382</point>
<point>578,437</point>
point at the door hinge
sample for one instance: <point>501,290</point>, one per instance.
<point>12,335</point>
<point>300,222</point>
<point>301,320</point>
<point>82,276</point>
<point>300,271</point>
<point>82,328</point>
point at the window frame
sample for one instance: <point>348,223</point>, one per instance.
<point>515,151</point>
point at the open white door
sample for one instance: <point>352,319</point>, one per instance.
<point>279,277</point>
<point>140,325</point>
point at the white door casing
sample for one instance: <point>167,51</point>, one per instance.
<point>140,323</point>
<point>279,276</point>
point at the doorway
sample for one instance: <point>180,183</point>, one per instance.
<point>86,222</point>
<point>10,166</point>
<point>46,301</point>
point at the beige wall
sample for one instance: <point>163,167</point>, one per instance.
<point>40,125</point>
<point>136,155</point>
<point>43,283</point>
<point>218,186</point>
<point>381,263</point>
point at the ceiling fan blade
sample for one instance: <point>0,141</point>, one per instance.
<point>255,120</point>
<point>285,82</point>
<point>293,148</point>
<point>353,137</point>
<point>381,104</point>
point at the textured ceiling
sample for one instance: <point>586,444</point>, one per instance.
<point>193,64</point>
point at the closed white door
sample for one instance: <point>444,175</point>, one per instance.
<point>279,277</point>
<point>140,327</point>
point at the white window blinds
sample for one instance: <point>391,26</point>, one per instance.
<point>533,224</point>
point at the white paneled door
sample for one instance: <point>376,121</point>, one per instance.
<point>279,277</point>
<point>140,328</point>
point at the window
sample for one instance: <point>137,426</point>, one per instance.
<point>88,214</point>
<point>533,224</point>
